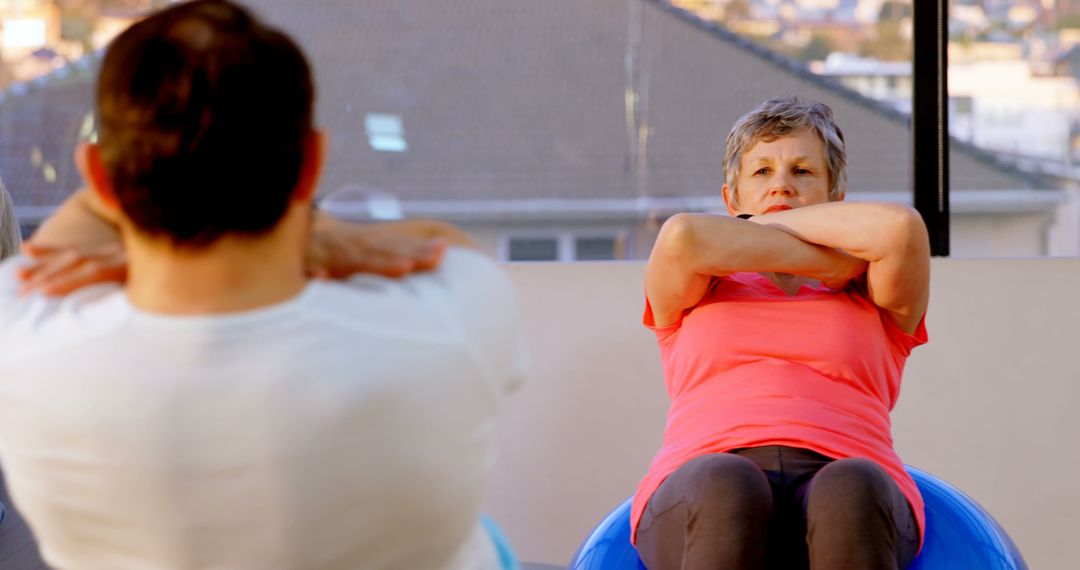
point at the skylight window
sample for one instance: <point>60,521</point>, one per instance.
<point>385,132</point>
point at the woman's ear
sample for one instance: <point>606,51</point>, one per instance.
<point>88,161</point>
<point>729,199</point>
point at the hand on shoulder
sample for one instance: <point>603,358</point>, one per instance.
<point>338,249</point>
<point>58,270</point>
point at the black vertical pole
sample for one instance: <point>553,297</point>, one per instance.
<point>930,119</point>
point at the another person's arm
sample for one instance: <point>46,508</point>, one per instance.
<point>80,244</point>
<point>81,221</point>
<point>338,249</point>
<point>77,245</point>
<point>691,249</point>
<point>891,238</point>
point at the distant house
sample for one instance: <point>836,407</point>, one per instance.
<point>561,129</point>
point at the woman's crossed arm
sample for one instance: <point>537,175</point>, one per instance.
<point>832,242</point>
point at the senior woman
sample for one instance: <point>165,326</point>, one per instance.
<point>783,336</point>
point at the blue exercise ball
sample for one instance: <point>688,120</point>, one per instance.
<point>960,535</point>
<point>608,546</point>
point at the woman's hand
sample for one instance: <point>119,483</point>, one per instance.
<point>846,269</point>
<point>890,237</point>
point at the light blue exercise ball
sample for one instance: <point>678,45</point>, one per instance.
<point>507,559</point>
<point>960,535</point>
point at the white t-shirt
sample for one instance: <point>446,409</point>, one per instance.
<point>349,427</point>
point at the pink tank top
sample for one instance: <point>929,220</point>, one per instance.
<point>751,366</point>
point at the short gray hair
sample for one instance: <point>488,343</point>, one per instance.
<point>9,227</point>
<point>780,117</point>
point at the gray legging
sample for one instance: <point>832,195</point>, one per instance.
<point>777,507</point>
<point>9,227</point>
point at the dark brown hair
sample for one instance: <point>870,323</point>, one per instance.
<point>204,112</point>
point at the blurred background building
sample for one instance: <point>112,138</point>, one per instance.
<point>571,129</point>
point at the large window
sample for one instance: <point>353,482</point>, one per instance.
<point>577,245</point>
<point>565,117</point>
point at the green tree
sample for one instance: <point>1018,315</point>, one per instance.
<point>894,10</point>
<point>818,48</point>
<point>888,43</point>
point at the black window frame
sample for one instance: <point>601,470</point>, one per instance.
<point>930,119</point>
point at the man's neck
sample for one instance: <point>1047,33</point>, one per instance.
<point>231,275</point>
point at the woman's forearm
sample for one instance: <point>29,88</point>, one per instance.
<point>719,245</point>
<point>866,230</point>
<point>891,238</point>
<point>691,249</point>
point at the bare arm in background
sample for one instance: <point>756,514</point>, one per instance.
<point>832,242</point>
<point>80,244</point>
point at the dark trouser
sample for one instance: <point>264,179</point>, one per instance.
<point>777,507</point>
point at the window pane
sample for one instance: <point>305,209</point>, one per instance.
<point>594,249</point>
<point>533,249</point>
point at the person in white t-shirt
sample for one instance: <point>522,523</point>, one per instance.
<point>177,392</point>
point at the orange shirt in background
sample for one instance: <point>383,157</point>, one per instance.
<point>751,366</point>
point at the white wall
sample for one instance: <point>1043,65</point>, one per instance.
<point>990,404</point>
<point>1064,233</point>
<point>998,235</point>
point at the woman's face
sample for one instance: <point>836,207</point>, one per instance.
<point>786,173</point>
